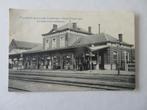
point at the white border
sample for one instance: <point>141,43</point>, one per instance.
<point>99,100</point>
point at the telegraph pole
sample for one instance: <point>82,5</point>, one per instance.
<point>119,53</point>
<point>118,59</point>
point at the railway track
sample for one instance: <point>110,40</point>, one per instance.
<point>106,82</point>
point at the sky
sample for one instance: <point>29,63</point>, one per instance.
<point>29,25</point>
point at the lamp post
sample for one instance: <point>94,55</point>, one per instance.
<point>119,53</point>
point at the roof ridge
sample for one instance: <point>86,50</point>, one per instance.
<point>70,27</point>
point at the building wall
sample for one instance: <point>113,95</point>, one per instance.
<point>61,39</point>
<point>115,56</point>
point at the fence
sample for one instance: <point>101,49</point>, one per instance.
<point>131,66</point>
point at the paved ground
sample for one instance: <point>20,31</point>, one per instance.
<point>42,80</point>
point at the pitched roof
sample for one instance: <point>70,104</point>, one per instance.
<point>38,47</point>
<point>68,26</point>
<point>24,44</point>
<point>96,39</point>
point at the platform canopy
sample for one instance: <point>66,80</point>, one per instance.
<point>96,48</point>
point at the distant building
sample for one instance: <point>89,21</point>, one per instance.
<point>71,48</point>
<point>21,46</point>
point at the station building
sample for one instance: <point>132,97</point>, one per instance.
<point>70,47</point>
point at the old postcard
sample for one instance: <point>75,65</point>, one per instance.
<point>71,50</point>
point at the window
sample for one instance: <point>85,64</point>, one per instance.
<point>46,43</point>
<point>53,43</point>
<point>127,56</point>
<point>115,56</point>
<point>62,41</point>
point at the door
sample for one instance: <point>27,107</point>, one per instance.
<point>101,65</point>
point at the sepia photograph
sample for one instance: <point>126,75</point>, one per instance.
<point>71,50</point>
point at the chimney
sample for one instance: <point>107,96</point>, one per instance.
<point>89,29</point>
<point>99,28</point>
<point>74,25</point>
<point>55,26</point>
<point>120,37</point>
